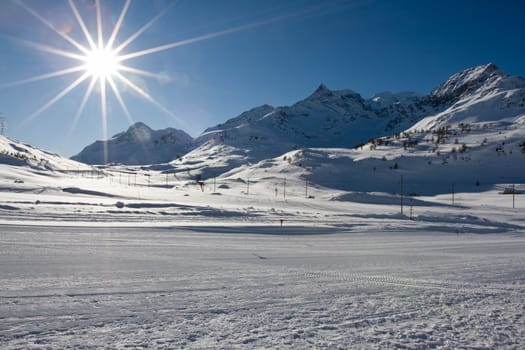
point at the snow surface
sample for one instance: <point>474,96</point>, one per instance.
<point>259,287</point>
<point>130,257</point>
<point>413,240</point>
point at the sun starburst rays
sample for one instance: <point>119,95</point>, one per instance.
<point>101,59</point>
<point>57,97</point>
<point>118,25</point>
<point>98,60</point>
<point>82,24</point>
<point>87,94</point>
<point>51,26</point>
<point>54,74</point>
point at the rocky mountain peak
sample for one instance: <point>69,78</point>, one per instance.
<point>467,81</point>
<point>322,89</point>
<point>323,95</point>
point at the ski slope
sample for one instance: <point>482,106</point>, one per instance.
<point>259,287</point>
<point>129,257</point>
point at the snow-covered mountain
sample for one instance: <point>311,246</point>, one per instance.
<point>468,133</point>
<point>138,145</point>
<point>477,95</point>
<point>27,169</point>
<point>344,119</point>
<point>326,118</point>
<point>17,154</point>
<point>465,132</point>
<point>475,140</point>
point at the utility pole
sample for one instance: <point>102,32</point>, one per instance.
<point>284,189</point>
<point>401,193</point>
<point>306,188</point>
<point>248,187</point>
<point>214,184</point>
<point>513,195</point>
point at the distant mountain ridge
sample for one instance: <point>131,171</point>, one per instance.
<point>138,145</point>
<point>344,119</point>
<point>325,119</point>
<point>467,134</point>
<point>474,140</point>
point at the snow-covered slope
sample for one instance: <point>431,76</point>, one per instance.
<point>476,140</point>
<point>326,118</point>
<point>478,95</point>
<point>483,99</point>
<point>471,159</point>
<point>17,154</point>
<point>138,145</point>
<point>469,133</point>
<point>27,169</point>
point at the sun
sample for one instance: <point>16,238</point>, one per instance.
<point>99,62</point>
<point>102,63</point>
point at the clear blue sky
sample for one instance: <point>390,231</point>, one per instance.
<point>280,52</point>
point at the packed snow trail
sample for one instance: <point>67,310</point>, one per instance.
<point>83,287</point>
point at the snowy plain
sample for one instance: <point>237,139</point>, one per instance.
<point>120,261</point>
<point>259,287</point>
<point>310,248</point>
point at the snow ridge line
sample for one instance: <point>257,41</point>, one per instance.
<point>111,293</point>
<point>391,280</point>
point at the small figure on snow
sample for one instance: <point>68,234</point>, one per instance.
<point>201,184</point>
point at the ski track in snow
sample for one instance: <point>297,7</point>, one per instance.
<point>83,288</point>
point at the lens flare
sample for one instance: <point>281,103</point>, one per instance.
<point>98,60</point>
<point>101,63</point>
